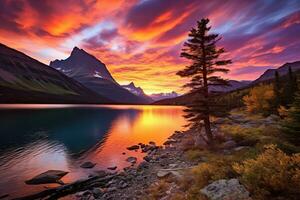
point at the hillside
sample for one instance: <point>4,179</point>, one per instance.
<point>26,80</point>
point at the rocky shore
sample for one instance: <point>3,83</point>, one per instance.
<point>161,162</point>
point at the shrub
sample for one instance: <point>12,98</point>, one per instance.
<point>259,99</point>
<point>272,173</point>
<point>157,190</point>
<point>193,154</point>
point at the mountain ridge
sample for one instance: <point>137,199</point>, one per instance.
<point>93,74</point>
<point>22,75</point>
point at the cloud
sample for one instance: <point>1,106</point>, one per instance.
<point>141,40</point>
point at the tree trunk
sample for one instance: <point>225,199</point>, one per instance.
<point>205,85</point>
<point>208,129</point>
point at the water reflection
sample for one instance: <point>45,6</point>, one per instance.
<point>35,138</point>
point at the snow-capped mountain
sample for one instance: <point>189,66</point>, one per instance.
<point>26,80</point>
<point>137,91</point>
<point>160,96</point>
<point>233,85</point>
<point>93,74</point>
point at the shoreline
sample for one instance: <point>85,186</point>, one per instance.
<point>132,181</point>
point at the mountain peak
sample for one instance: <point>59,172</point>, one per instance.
<point>82,64</point>
<point>131,84</point>
<point>77,51</point>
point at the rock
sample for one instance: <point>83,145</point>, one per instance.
<point>134,147</point>
<point>88,165</point>
<point>111,189</point>
<point>226,189</point>
<point>229,144</point>
<point>240,148</point>
<point>112,168</point>
<point>170,141</point>
<point>100,173</point>
<point>152,143</point>
<point>50,176</point>
<point>97,192</point>
<point>173,165</point>
<point>147,158</point>
<point>123,153</point>
<point>131,160</point>
<point>143,165</point>
<point>162,174</point>
<point>123,185</point>
<point>273,118</point>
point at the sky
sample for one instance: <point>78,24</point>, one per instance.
<point>141,40</point>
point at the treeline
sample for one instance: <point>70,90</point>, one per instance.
<point>269,97</point>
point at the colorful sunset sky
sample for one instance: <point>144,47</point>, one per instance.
<point>141,40</point>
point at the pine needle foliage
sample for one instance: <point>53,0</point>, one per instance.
<point>204,69</point>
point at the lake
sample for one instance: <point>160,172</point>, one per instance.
<point>36,138</point>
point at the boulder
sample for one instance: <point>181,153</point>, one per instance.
<point>50,176</point>
<point>132,160</point>
<point>134,147</point>
<point>88,165</point>
<point>226,190</point>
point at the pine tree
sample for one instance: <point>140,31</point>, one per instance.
<point>290,88</point>
<point>291,125</point>
<point>277,93</point>
<point>201,50</point>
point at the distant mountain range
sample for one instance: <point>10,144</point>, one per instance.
<point>233,85</point>
<point>93,74</point>
<point>138,91</point>
<point>283,70</point>
<point>160,96</point>
<point>268,75</point>
<point>26,80</point>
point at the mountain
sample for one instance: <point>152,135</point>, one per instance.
<point>233,85</point>
<point>283,70</point>
<point>26,80</point>
<point>93,74</point>
<point>160,96</point>
<point>138,91</point>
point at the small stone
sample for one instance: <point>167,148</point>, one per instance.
<point>123,153</point>
<point>162,174</point>
<point>152,143</point>
<point>229,144</point>
<point>112,168</point>
<point>134,147</point>
<point>170,141</point>
<point>111,189</point>
<point>173,165</point>
<point>88,165</point>
<point>97,192</point>
<point>131,160</point>
<point>100,173</point>
<point>240,148</point>
<point>147,158</point>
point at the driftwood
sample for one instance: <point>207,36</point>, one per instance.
<point>61,191</point>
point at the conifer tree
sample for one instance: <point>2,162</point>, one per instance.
<point>277,93</point>
<point>201,50</point>
<point>290,88</point>
<point>291,125</point>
